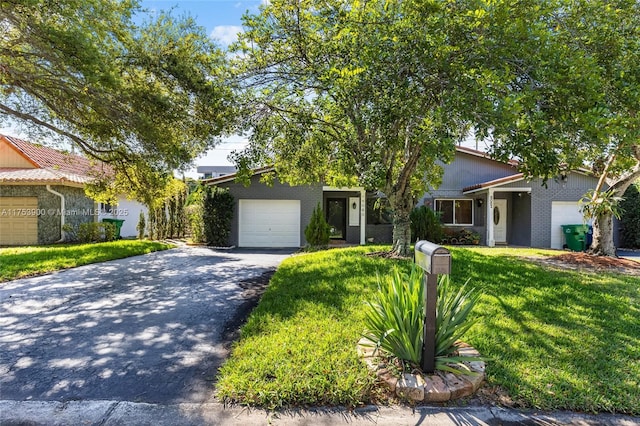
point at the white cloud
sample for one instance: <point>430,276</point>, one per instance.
<point>226,34</point>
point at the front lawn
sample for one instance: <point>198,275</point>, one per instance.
<point>557,339</point>
<point>17,262</point>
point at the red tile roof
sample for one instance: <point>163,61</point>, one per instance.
<point>51,165</point>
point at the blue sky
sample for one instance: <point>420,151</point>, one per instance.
<point>221,18</point>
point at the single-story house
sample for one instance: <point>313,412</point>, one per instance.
<point>474,187</point>
<point>42,189</point>
<point>521,212</point>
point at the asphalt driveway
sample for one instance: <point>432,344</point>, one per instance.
<point>145,329</point>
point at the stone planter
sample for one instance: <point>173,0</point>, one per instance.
<point>437,387</point>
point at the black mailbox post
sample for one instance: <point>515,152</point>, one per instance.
<point>434,260</point>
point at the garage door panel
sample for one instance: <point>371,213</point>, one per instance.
<point>563,213</point>
<point>269,223</point>
<point>18,220</point>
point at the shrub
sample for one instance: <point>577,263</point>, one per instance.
<point>426,225</point>
<point>142,226</point>
<point>318,230</point>
<point>630,234</point>
<point>95,232</point>
<point>196,223</point>
<point>395,319</point>
<point>463,236</point>
<point>217,214</point>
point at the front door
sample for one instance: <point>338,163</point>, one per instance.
<point>500,221</point>
<point>337,217</point>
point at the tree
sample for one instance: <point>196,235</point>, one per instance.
<point>363,93</point>
<point>145,98</point>
<point>612,38</point>
<point>577,105</point>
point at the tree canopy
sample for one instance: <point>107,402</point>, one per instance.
<point>151,96</point>
<point>582,108</point>
<point>375,93</point>
<point>361,93</point>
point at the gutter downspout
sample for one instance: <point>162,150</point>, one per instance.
<point>62,209</point>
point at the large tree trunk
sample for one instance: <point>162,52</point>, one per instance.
<point>602,244</point>
<point>401,204</point>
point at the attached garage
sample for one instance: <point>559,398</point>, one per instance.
<point>563,213</point>
<point>268,223</point>
<point>18,220</point>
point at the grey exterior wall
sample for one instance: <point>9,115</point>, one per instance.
<point>309,196</point>
<point>529,217</point>
<point>467,170</point>
<point>519,226</point>
<point>573,189</point>
<point>78,207</point>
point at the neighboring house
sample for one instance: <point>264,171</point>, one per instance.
<point>208,172</point>
<point>42,189</point>
<point>473,188</point>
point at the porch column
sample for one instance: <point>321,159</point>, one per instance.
<point>363,217</point>
<point>491,242</point>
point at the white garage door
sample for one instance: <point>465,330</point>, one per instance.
<point>563,213</point>
<point>269,223</point>
<point>18,220</point>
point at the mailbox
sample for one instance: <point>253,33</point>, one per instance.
<point>434,259</point>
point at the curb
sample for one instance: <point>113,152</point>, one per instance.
<point>111,413</point>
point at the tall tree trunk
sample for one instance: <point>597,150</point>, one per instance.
<point>401,204</point>
<point>602,244</point>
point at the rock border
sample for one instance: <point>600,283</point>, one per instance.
<point>437,387</point>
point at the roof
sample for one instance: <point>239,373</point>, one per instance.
<point>493,183</point>
<point>232,176</point>
<point>216,169</point>
<point>40,176</point>
<point>51,165</point>
<point>483,154</point>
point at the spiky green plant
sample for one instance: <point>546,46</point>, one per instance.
<point>452,322</point>
<point>395,319</point>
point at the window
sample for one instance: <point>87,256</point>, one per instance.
<point>378,211</point>
<point>455,212</point>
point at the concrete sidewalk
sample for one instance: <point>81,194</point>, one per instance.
<point>110,413</point>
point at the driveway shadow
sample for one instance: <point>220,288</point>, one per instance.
<point>144,329</point>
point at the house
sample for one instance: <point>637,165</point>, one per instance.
<point>42,189</point>
<point>276,215</point>
<point>208,172</point>
<point>521,212</point>
<point>474,187</point>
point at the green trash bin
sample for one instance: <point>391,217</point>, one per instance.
<point>575,236</point>
<point>118,224</point>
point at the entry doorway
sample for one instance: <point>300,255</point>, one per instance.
<point>336,215</point>
<point>500,221</point>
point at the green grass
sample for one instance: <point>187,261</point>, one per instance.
<point>21,262</point>
<point>557,339</point>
